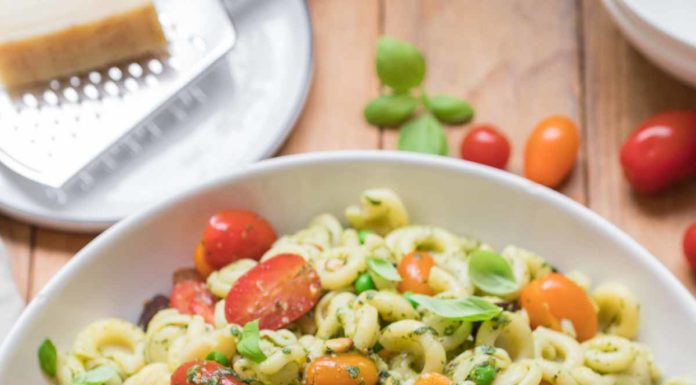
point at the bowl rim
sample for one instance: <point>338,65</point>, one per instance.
<point>510,180</point>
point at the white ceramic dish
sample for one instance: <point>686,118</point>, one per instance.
<point>664,31</point>
<point>134,259</point>
<point>251,100</point>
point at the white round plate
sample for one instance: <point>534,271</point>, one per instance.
<point>664,31</point>
<point>252,99</point>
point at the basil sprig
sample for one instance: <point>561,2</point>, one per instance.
<point>471,309</point>
<point>401,69</point>
<point>383,269</point>
<point>48,358</point>
<point>249,346</point>
<point>491,273</point>
<point>97,376</point>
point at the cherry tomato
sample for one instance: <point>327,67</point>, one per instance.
<point>690,245</point>
<point>550,299</point>
<point>414,269</point>
<point>193,297</point>
<point>204,373</point>
<point>661,152</point>
<point>432,379</point>
<point>551,151</point>
<point>200,261</point>
<point>486,145</point>
<point>235,234</point>
<point>276,291</point>
<point>342,369</point>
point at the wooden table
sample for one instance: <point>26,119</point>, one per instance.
<point>516,61</point>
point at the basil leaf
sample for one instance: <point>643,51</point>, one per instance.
<point>471,309</point>
<point>491,273</point>
<point>48,358</point>
<point>390,110</point>
<point>450,109</point>
<point>97,376</point>
<point>400,65</point>
<point>384,269</point>
<point>218,357</point>
<point>423,134</point>
<point>249,344</point>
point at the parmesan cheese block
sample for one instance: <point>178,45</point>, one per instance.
<point>44,39</point>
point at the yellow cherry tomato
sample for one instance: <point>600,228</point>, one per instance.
<point>342,369</point>
<point>200,262</point>
<point>553,298</point>
<point>551,151</point>
<point>432,379</point>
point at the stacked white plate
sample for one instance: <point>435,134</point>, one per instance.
<point>663,30</point>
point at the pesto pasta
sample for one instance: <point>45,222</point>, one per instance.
<point>380,301</point>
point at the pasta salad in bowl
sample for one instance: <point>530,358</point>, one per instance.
<point>379,300</point>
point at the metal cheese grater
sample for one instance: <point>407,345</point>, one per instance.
<point>49,133</point>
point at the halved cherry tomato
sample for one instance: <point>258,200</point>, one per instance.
<point>432,379</point>
<point>204,373</point>
<point>551,151</point>
<point>342,369</point>
<point>661,152</point>
<point>236,234</point>
<point>200,261</point>
<point>486,145</point>
<point>690,245</point>
<point>553,298</point>
<point>414,269</point>
<point>276,291</point>
<point>193,297</point>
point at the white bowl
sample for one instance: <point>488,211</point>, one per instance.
<point>664,31</point>
<point>134,260</point>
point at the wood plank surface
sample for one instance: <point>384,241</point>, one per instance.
<point>514,63</point>
<point>517,61</point>
<point>622,89</point>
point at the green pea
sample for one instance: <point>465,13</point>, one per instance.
<point>218,357</point>
<point>364,283</point>
<point>483,375</point>
<point>362,234</point>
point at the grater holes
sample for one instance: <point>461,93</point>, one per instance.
<point>95,77</point>
<point>131,84</point>
<point>91,92</point>
<point>71,95</point>
<point>111,88</point>
<point>151,80</point>
<point>50,97</point>
<point>155,66</point>
<point>54,84</point>
<point>30,100</point>
<point>135,70</point>
<point>115,74</point>
<point>75,81</point>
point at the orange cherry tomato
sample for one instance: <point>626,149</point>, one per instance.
<point>414,269</point>
<point>204,372</point>
<point>236,234</point>
<point>689,245</point>
<point>553,298</point>
<point>551,151</point>
<point>193,297</point>
<point>342,369</point>
<point>433,379</point>
<point>201,262</point>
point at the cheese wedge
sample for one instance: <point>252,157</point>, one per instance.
<point>45,39</point>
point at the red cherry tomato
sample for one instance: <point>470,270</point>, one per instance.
<point>414,269</point>
<point>690,245</point>
<point>553,298</point>
<point>193,297</point>
<point>551,151</point>
<point>235,234</point>
<point>661,152</point>
<point>486,145</point>
<point>204,373</point>
<point>277,291</point>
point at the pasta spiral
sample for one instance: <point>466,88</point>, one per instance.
<point>114,342</point>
